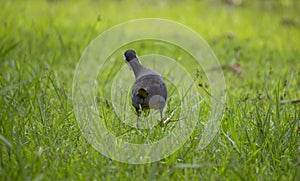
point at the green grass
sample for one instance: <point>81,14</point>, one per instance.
<point>41,43</point>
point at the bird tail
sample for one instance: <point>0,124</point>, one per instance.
<point>142,92</point>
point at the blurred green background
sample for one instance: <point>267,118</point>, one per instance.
<point>256,42</point>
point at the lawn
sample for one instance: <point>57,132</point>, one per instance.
<point>256,43</point>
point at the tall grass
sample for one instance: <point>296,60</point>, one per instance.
<point>41,42</point>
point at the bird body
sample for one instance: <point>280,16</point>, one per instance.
<point>149,89</point>
<point>145,91</point>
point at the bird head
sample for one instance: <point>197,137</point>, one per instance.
<point>129,55</point>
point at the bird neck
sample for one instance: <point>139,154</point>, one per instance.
<point>136,67</point>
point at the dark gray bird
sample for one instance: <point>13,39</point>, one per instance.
<point>149,90</point>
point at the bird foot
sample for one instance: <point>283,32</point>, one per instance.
<point>168,120</point>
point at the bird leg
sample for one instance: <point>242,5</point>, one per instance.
<point>161,118</point>
<point>137,122</point>
<point>138,112</point>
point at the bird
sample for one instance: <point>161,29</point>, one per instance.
<point>149,89</point>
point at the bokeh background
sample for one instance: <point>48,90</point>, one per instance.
<point>256,42</point>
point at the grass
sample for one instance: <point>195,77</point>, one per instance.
<point>257,44</point>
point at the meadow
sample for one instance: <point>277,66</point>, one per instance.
<point>256,42</point>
